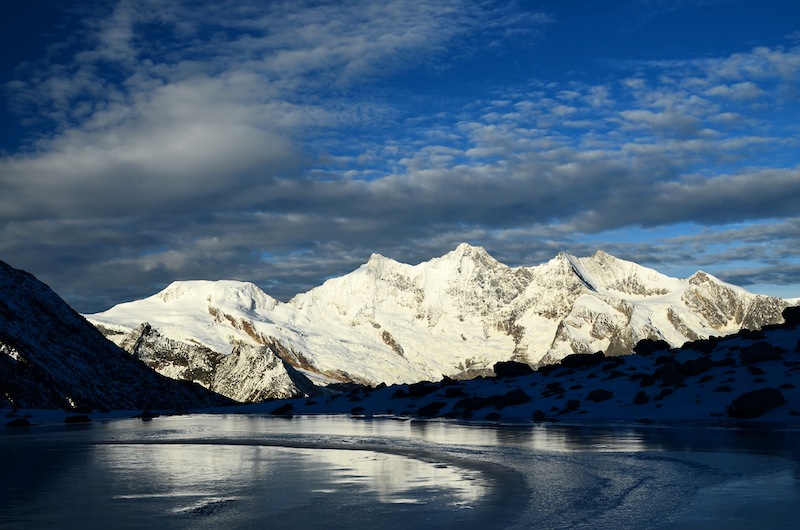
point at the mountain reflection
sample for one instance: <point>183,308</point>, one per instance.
<point>281,475</point>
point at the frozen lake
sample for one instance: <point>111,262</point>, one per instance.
<point>239,471</point>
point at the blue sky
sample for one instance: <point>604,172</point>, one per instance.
<point>284,142</point>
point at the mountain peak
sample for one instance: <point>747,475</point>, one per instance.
<point>471,252</point>
<point>466,248</point>
<point>378,264</point>
<point>376,258</point>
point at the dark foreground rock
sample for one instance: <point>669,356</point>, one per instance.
<point>791,315</point>
<point>513,398</point>
<point>581,360</point>
<point>646,347</point>
<point>755,403</point>
<point>759,352</point>
<point>599,394</point>
<point>511,369</point>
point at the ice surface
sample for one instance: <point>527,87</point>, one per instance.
<point>235,471</point>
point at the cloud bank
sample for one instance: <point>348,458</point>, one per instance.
<point>282,143</point>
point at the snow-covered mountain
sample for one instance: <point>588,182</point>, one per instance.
<point>456,316</point>
<point>51,357</point>
<point>744,377</point>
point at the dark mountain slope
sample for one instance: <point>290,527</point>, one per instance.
<point>51,357</point>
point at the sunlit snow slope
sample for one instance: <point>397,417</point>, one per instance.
<point>389,322</point>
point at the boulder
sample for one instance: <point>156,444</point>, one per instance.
<point>647,347</point>
<point>421,389</point>
<point>511,369</point>
<point>538,415</point>
<point>755,403</point>
<point>696,366</point>
<point>760,351</point>
<point>702,345</point>
<point>641,398</point>
<point>431,409</point>
<point>283,410</point>
<point>791,315</point>
<point>147,415</point>
<point>598,395</point>
<point>669,373</point>
<point>452,392</point>
<point>514,397</point>
<point>580,360</point>
<point>476,402</point>
<point>552,389</point>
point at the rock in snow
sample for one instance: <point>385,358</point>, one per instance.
<point>453,316</point>
<point>51,357</point>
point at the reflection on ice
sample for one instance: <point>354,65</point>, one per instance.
<point>330,472</point>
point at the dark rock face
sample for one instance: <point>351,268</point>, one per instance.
<point>422,389</point>
<point>51,357</point>
<point>511,369</point>
<point>702,345</point>
<point>755,403</point>
<point>580,360</point>
<point>791,315</point>
<point>197,362</point>
<point>647,347</point>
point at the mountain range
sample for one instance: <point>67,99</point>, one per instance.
<point>454,316</point>
<point>721,381</point>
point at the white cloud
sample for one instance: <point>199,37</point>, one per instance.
<point>738,91</point>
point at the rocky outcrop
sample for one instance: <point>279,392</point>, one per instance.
<point>246,373</point>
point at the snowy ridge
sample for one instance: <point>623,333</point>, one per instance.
<point>456,316</point>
